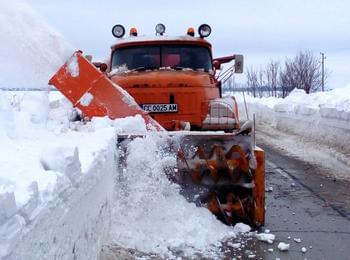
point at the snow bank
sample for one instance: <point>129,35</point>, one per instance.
<point>74,222</point>
<point>149,213</point>
<point>30,50</point>
<point>56,180</point>
<point>323,117</point>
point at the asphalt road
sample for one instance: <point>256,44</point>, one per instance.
<point>305,203</point>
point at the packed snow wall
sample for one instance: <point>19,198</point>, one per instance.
<point>323,117</point>
<point>56,180</point>
<point>74,224</point>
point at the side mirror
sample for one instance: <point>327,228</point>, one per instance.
<point>217,64</point>
<point>239,60</point>
<point>102,66</point>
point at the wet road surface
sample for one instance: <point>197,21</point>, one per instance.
<point>304,202</point>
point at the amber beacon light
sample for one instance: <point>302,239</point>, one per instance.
<point>133,31</point>
<point>190,31</point>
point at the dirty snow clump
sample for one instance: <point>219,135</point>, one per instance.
<point>265,237</point>
<point>283,246</point>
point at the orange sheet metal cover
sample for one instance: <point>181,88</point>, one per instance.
<point>94,94</point>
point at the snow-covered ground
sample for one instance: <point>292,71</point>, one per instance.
<point>313,127</point>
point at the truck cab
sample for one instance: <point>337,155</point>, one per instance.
<point>173,78</point>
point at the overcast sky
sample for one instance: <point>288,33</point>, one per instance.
<point>261,30</point>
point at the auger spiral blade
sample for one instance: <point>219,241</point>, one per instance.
<point>219,169</point>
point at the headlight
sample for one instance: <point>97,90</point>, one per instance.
<point>118,31</point>
<point>160,29</point>
<point>204,30</point>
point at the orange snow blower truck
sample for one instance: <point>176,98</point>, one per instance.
<point>174,84</point>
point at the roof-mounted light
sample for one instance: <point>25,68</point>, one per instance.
<point>204,30</point>
<point>118,31</point>
<point>190,31</point>
<point>133,31</point>
<point>160,29</point>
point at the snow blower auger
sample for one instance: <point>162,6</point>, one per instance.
<point>172,82</point>
<point>223,173</point>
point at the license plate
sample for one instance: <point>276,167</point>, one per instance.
<point>160,108</point>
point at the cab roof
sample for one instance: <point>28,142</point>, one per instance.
<point>164,39</point>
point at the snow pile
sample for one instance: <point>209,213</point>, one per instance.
<point>30,50</point>
<point>331,104</point>
<point>323,117</point>
<point>241,228</point>
<point>129,125</point>
<point>149,213</point>
<point>56,185</point>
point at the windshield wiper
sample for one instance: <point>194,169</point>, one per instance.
<point>178,68</point>
<point>144,68</point>
<point>189,68</point>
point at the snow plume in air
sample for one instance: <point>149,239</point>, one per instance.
<point>30,50</point>
<point>151,216</point>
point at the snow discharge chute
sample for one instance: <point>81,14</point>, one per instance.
<point>94,94</point>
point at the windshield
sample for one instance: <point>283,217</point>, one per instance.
<point>155,57</point>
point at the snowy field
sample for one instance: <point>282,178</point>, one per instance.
<point>62,195</point>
